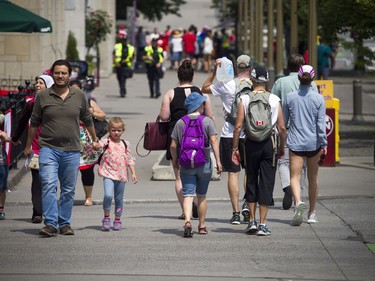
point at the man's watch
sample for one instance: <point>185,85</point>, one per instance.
<point>96,140</point>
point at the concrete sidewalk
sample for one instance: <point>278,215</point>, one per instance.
<point>151,247</point>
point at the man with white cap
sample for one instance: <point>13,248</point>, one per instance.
<point>227,91</point>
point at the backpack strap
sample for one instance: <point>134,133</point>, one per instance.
<point>106,147</point>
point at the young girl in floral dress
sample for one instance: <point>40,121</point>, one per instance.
<point>113,167</point>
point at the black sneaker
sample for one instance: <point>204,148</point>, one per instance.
<point>195,210</point>
<point>245,212</point>
<point>48,231</point>
<point>288,198</point>
<point>252,227</point>
<point>236,219</point>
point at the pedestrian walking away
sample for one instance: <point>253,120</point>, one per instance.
<point>261,147</point>
<point>58,110</point>
<point>173,108</point>
<point>283,86</point>
<point>193,159</point>
<point>123,55</point>
<point>113,167</point>
<point>227,91</point>
<point>41,82</point>
<point>304,110</point>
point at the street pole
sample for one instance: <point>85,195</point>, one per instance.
<point>280,39</point>
<point>313,60</point>
<point>357,101</point>
<point>293,27</point>
<point>270,62</point>
<point>240,27</point>
<point>259,41</point>
<point>252,29</point>
<point>246,26</point>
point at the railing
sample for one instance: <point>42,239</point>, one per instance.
<point>12,103</point>
<point>11,83</point>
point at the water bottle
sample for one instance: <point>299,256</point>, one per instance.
<point>225,72</point>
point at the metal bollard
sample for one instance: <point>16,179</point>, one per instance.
<point>357,101</point>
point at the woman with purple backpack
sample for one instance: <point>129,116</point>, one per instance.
<point>192,138</point>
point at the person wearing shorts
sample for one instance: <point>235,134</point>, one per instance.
<point>304,110</point>
<point>227,91</point>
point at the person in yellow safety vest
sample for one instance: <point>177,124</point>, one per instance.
<point>123,55</point>
<point>153,58</point>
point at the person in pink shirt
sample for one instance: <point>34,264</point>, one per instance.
<point>113,167</point>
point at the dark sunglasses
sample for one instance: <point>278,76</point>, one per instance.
<point>322,157</point>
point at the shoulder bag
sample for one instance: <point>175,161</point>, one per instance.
<point>155,137</point>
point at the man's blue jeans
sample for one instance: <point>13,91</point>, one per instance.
<point>54,165</point>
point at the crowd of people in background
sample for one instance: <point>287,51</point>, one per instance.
<point>201,46</point>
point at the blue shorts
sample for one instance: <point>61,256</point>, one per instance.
<point>4,172</point>
<point>196,180</point>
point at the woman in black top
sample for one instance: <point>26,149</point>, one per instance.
<point>172,109</point>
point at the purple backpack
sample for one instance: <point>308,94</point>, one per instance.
<point>192,148</point>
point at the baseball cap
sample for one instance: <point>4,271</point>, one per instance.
<point>122,34</point>
<point>260,73</point>
<point>306,69</point>
<point>244,61</point>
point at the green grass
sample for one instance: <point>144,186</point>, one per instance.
<point>371,247</point>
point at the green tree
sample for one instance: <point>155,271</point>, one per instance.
<point>153,10</point>
<point>355,17</point>
<point>98,26</point>
<point>71,47</point>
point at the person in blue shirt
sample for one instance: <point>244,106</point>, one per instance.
<point>304,110</point>
<point>281,87</point>
<point>325,59</point>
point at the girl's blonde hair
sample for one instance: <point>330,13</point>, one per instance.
<point>116,120</point>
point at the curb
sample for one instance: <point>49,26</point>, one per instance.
<point>15,175</point>
<point>168,201</point>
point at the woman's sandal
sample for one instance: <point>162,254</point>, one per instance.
<point>188,231</point>
<point>182,217</point>
<point>202,230</point>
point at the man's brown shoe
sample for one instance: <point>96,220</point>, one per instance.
<point>66,230</point>
<point>48,231</point>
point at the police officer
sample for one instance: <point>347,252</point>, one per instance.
<point>123,54</point>
<point>153,58</point>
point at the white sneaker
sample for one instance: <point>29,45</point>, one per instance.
<point>298,213</point>
<point>312,218</point>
